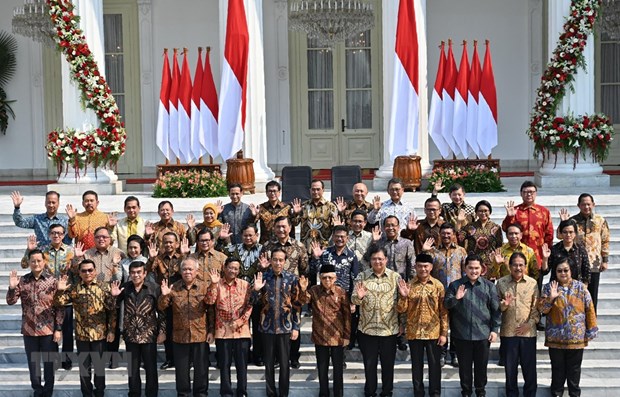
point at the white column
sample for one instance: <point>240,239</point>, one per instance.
<point>564,174</point>
<point>255,142</point>
<point>389,21</point>
<point>582,100</point>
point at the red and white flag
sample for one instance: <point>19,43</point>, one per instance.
<point>447,110</point>
<point>208,111</point>
<point>234,81</point>
<point>472,102</point>
<point>487,113</point>
<point>197,149</point>
<point>434,117</point>
<point>404,119</point>
<point>459,126</point>
<point>185,110</point>
<point>174,139</point>
<point>163,112</point>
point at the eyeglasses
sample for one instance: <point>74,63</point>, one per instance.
<point>562,270</point>
<point>102,237</point>
<point>56,233</point>
<point>272,191</point>
<point>91,270</point>
<point>528,192</point>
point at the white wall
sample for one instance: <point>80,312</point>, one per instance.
<point>506,24</point>
<point>20,153</point>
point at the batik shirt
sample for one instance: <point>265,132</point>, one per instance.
<point>41,223</point>
<point>280,300</point>
<point>107,270</point>
<point>83,227</point>
<point>570,318</point>
<point>238,217</point>
<point>535,221</point>
<point>317,221</point>
<point>427,318</point>
<point>389,207</point>
<point>160,228</point>
<point>482,240</point>
<point>296,255</point>
<point>522,309</point>
<point>351,207</point>
<point>422,233</point>
<point>267,215</point>
<point>165,267</point>
<point>233,308</point>
<point>378,315</point>
<point>450,213</point>
<point>331,315</point>
<point>400,256</point>
<point>94,309</point>
<point>143,322</point>
<point>207,261</point>
<point>346,264</point>
<point>39,315</point>
<point>593,232</point>
<point>58,261</point>
<point>448,263</point>
<point>577,260</point>
<point>497,271</point>
<point>248,257</point>
<point>359,243</point>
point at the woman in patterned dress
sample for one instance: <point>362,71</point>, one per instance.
<point>482,236</point>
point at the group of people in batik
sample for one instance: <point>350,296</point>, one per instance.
<point>371,274</point>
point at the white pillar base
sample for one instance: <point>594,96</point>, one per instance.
<point>563,175</point>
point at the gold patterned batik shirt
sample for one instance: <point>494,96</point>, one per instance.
<point>378,315</point>
<point>427,318</point>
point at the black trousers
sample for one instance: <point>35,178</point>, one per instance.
<point>277,345</point>
<point>375,348</point>
<point>146,353</point>
<point>37,349</point>
<point>93,359</point>
<point>257,339</point>
<point>323,354</point>
<point>565,367</point>
<point>294,354</point>
<point>474,352</point>
<point>184,355</point>
<point>227,351</point>
<point>114,345</point>
<point>449,347</point>
<point>67,333</point>
<point>520,351</point>
<point>168,342</point>
<point>355,320</point>
<point>595,279</point>
<point>433,354</point>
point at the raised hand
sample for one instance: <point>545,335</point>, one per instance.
<point>13,279</point>
<point>360,290</point>
<point>317,251</point>
<point>376,233</point>
<point>62,285</point>
<point>225,232</point>
<point>116,259</point>
<point>546,251</point>
<point>497,255</point>
<point>412,222</point>
<point>113,219</point>
<point>148,228</point>
<point>258,281</point>
<point>510,208</point>
<point>338,220</point>
<point>564,215</point>
<point>17,199</point>
<point>78,249</point>
<point>191,221</point>
<point>215,276</point>
<point>553,290</point>
<point>185,246</point>
<point>296,206</point>
<point>507,298</point>
<point>460,293</point>
<point>153,251</point>
<point>438,186</point>
<point>220,207</point>
<point>461,217</point>
<point>165,289</point>
<point>114,288</point>
<point>341,204</point>
<point>403,288</point>
<point>254,209</point>
<point>376,203</point>
<point>263,261</point>
<point>303,283</point>
<point>70,211</point>
<point>31,242</point>
<point>428,244</point>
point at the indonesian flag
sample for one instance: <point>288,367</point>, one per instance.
<point>234,81</point>
<point>198,150</point>
<point>459,127</point>
<point>447,110</point>
<point>208,110</point>
<point>487,112</point>
<point>404,120</point>
<point>163,113</point>
<point>174,102</point>
<point>434,117</point>
<point>185,109</point>
<point>472,102</point>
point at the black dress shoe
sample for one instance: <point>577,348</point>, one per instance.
<point>295,364</point>
<point>67,365</point>
<point>259,363</point>
<point>501,362</point>
<point>454,362</point>
<point>402,346</point>
<point>167,364</point>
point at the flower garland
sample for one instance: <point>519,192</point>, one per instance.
<point>569,134</point>
<point>101,146</point>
